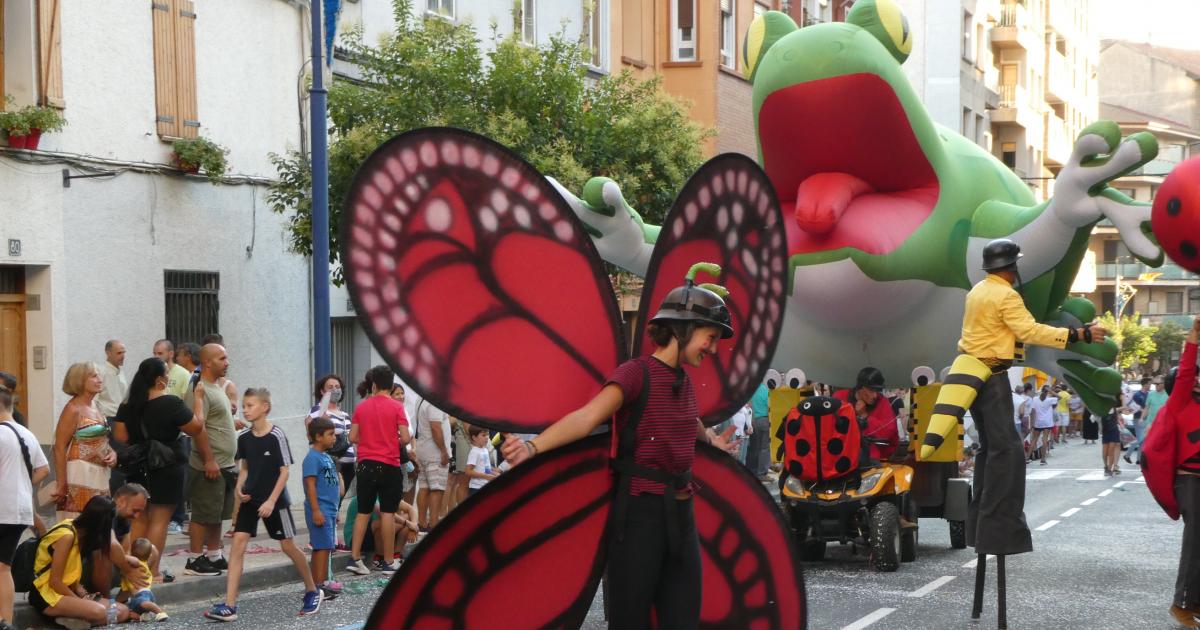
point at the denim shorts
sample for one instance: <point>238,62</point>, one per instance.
<point>140,598</point>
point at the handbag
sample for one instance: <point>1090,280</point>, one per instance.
<point>147,456</point>
<point>341,445</point>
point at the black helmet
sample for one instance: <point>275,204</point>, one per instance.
<point>699,303</point>
<point>1169,380</point>
<point>1001,253</point>
<point>869,377</point>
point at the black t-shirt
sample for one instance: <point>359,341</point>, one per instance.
<point>121,527</point>
<point>263,456</point>
<point>159,420</point>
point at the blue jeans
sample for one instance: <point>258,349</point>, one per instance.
<point>1139,433</point>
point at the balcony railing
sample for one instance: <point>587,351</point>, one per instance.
<point>1008,96</point>
<point>1130,271</point>
<point>1008,15</point>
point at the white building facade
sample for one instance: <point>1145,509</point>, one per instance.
<point>144,251</point>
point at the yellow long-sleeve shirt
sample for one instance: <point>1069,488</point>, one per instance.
<point>996,318</point>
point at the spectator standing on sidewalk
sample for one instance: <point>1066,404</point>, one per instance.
<point>758,452</point>
<point>322,493</point>
<point>432,447</point>
<point>479,462</point>
<point>187,357</point>
<point>9,382</point>
<point>262,487</point>
<point>177,375</point>
<point>213,472</point>
<point>115,386</point>
<point>379,429</point>
<point>23,465</point>
<point>83,457</point>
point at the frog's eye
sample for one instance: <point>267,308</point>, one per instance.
<point>795,378</point>
<point>922,376</point>
<point>773,379</point>
<point>765,30</point>
<point>884,20</point>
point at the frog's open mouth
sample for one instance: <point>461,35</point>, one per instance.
<point>844,159</point>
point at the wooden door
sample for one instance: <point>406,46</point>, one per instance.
<point>12,344</point>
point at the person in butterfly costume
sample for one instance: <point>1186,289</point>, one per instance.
<point>654,553</point>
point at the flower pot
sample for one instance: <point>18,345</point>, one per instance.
<point>25,141</point>
<point>185,166</point>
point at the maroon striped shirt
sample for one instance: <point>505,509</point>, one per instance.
<point>667,431</point>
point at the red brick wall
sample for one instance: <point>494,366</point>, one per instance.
<point>735,120</point>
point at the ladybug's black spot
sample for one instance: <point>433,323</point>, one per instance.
<point>802,447</point>
<point>842,425</point>
<point>842,465</point>
<point>793,427</point>
<point>835,447</point>
<point>1188,248</point>
<point>1174,206</point>
<point>795,469</point>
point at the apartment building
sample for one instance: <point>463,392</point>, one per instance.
<point>1151,89</point>
<point>106,237</point>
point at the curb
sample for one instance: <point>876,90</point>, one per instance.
<point>192,590</point>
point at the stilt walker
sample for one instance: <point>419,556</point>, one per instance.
<point>995,320</point>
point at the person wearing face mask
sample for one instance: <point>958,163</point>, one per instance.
<point>329,392</point>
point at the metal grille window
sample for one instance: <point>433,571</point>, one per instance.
<point>193,304</point>
<point>343,359</point>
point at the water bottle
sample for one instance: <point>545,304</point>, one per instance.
<point>112,611</point>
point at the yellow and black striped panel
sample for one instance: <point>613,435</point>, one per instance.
<point>967,376</point>
<point>924,398</point>
<point>780,401</point>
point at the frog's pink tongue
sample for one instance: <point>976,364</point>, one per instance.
<point>822,198</point>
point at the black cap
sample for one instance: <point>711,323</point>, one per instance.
<point>869,377</point>
<point>1001,253</point>
<point>1169,380</point>
<point>696,303</point>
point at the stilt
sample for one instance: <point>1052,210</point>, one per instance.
<point>980,574</point>
<point>1001,596</point>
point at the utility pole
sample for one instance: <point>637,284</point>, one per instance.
<point>320,197</point>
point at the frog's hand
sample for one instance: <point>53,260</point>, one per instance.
<point>616,229</point>
<point>1081,192</point>
<point>1083,366</point>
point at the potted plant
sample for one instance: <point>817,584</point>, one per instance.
<point>193,154</point>
<point>26,125</point>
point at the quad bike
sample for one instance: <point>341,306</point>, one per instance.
<point>828,497</point>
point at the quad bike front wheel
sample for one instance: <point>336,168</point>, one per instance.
<point>885,537</point>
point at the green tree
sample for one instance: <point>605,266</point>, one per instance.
<point>1168,340</point>
<point>538,101</point>
<point>1135,339</point>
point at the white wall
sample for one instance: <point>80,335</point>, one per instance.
<point>96,252</point>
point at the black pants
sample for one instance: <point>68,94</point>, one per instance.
<point>1187,582</point>
<point>996,517</point>
<point>642,575</point>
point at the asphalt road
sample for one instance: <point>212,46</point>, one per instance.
<point>1105,557</point>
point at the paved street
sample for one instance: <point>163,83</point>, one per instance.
<point>1105,558</point>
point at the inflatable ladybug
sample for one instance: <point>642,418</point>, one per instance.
<point>1175,217</point>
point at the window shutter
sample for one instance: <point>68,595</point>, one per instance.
<point>725,6</point>
<point>50,54</point>
<point>185,68</point>
<point>164,68</point>
<point>684,12</point>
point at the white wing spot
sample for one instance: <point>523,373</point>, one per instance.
<point>722,218</point>
<point>438,215</point>
<point>400,205</point>
<point>718,186</point>
<point>412,191</point>
<point>395,169</point>
<point>360,258</point>
<point>471,157</point>
<point>563,230</point>
<point>409,158</point>
<point>739,212</point>
<point>393,344</point>
<point>407,360</point>
<point>383,182</point>
<point>429,154</point>
<point>386,261</point>
<point>546,211</point>
<point>365,279</point>
<point>530,192</point>
<point>487,218</point>
<point>690,213</point>
<point>704,195</point>
<point>749,262</point>
<point>382,325</point>
<point>499,201</point>
<point>392,222</point>
<point>370,302</point>
<point>371,196</point>
<point>731,240</point>
<point>450,153</point>
<point>742,180</point>
<point>411,336</point>
<point>362,237</point>
<point>491,165</point>
<point>390,291</point>
<point>510,178</point>
<point>386,240</point>
<point>521,214</point>
<point>677,229</point>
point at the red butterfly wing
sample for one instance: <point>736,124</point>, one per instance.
<point>529,547</point>
<point>727,214</point>
<point>752,576</point>
<point>475,281</point>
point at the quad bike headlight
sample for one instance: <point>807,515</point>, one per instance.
<point>868,482</point>
<point>794,486</point>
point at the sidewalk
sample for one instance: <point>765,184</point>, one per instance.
<point>265,567</point>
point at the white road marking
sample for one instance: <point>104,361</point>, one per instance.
<point>1069,513</point>
<point>1097,475</point>
<point>869,619</point>
<point>1140,479</point>
<point>975,561</point>
<point>1090,501</point>
<point>1047,525</point>
<point>1104,493</point>
<point>1038,475</point>
<point>1121,483</point>
<point>932,586</point>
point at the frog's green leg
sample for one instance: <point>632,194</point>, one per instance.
<point>1084,366</point>
<point>618,231</point>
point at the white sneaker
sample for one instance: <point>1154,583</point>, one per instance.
<point>358,567</point>
<point>391,569</point>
